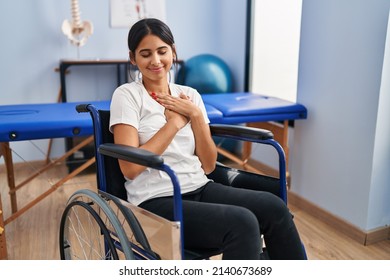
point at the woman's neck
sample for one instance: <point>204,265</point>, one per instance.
<point>162,88</point>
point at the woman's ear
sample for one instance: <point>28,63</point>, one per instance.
<point>132,58</point>
<point>174,52</point>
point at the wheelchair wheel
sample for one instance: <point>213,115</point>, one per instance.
<point>80,242</point>
<point>140,244</point>
<point>89,230</point>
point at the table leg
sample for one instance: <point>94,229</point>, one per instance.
<point>242,163</point>
<point>7,153</point>
<point>50,190</point>
<point>280,132</point>
<point>3,243</point>
<point>246,152</point>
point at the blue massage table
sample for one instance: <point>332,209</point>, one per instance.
<point>39,121</point>
<point>60,120</point>
<point>44,121</point>
<point>254,110</point>
<point>244,107</point>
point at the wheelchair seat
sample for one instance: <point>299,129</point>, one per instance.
<point>120,217</point>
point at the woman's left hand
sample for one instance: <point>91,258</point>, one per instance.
<point>182,104</point>
<point>204,144</point>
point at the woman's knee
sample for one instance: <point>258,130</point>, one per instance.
<point>265,205</point>
<point>273,213</point>
<point>243,221</point>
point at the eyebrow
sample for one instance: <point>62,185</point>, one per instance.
<point>159,48</point>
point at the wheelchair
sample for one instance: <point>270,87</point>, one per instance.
<point>103,225</point>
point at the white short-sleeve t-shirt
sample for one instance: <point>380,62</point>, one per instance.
<point>132,105</point>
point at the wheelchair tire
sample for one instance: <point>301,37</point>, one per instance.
<point>76,241</point>
<point>109,221</point>
<point>132,227</point>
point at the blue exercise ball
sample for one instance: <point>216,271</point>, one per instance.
<point>209,74</point>
<point>206,73</point>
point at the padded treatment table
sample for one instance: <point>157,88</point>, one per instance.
<point>43,121</point>
<point>40,121</point>
<point>245,107</point>
<point>61,120</point>
<point>254,110</point>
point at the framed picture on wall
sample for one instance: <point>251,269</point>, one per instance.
<point>124,13</point>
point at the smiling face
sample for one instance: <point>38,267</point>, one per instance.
<point>153,58</point>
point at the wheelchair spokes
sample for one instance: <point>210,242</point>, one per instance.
<point>84,235</point>
<point>90,230</point>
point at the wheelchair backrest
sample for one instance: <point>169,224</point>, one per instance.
<point>113,181</point>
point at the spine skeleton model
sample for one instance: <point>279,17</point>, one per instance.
<point>77,30</point>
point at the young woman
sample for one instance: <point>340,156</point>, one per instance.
<point>171,120</point>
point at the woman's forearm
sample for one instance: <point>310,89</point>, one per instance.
<point>157,144</point>
<point>205,147</point>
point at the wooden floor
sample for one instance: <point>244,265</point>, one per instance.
<point>34,235</point>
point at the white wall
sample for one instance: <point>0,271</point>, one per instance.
<point>33,44</point>
<point>217,27</point>
<point>232,38</point>
<point>378,207</point>
<point>341,153</point>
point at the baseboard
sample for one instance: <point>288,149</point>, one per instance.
<point>363,237</point>
<point>378,235</point>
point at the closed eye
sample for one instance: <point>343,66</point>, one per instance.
<point>147,52</point>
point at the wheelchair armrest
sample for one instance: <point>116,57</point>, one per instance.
<point>224,130</point>
<point>82,108</point>
<point>131,154</point>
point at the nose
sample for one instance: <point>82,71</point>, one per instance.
<point>155,59</point>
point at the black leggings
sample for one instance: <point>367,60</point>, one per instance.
<point>232,219</point>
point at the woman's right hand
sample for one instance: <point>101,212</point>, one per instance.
<point>177,119</point>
